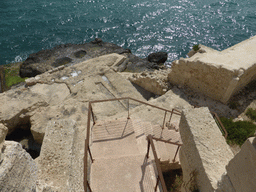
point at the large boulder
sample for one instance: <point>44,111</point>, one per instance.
<point>159,57</point>
<point>18,171</point>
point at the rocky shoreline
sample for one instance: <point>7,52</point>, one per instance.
<point>52,105</point>
<point>71,54</point>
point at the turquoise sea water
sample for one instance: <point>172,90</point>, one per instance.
<point>146,26</point>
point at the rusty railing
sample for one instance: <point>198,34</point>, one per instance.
<point>169,142</point>
<point>160,177</point>
<point>87,140</point>
<point>220,125</point>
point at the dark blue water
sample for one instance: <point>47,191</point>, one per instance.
<point>27,26</point>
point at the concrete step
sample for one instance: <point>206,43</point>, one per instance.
<point>114,129</point>
<point>114,138</point>
<point>165,151</point>
<point>115,147</point>
<point>142,129</point>
<point>123,174</point>
<point>161,151</point>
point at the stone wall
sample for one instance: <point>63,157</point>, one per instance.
<point>218,75</point>
<point>204,153</point>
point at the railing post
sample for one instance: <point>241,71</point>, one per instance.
<point>90,153</point>
<point>147,155</point>
<point>88,185</point>
<point>176,154</point>
<point>170,116</point>
<point>85,167</point>
<point>92,114</point>
<point>164,119</point>
<point>128,109</point>
<point>157,182</point>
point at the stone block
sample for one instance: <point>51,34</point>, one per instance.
<point>218,75</point>
<point>204,153</point>
<point>18,171</point>
<point>242,168</point>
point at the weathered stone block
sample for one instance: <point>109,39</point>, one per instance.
<point>204,153</point>
<point>242,168</point>
<point>18,171</point>
<point>218,75</point>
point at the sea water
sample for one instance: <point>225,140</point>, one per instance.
<point>144,26</point>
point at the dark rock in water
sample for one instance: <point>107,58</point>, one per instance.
<point>125,51</point>
<point>61,61</point>
<point>96,41</point>
<point>80,54</point>
<point>70,54</point>
<point>159,57</point>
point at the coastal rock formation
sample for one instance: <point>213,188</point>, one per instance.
<point>54,107</point>
<point>218,75</point>
<point>70,54</point>
<point>18,171</point>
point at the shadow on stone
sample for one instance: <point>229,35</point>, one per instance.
<point>23,135</point>
<point>80,54</point>
<point>146,94</point>
<point>61,61</point>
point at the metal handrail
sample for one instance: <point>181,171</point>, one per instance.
<point>160,176</point>
<point>221,125</point>
<point>90,114</point>
<point>169,142</point>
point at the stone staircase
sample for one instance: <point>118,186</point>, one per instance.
<point>119,147</point>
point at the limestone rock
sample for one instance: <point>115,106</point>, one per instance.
<point>53,93</point>
<point>218,75</point>
<point>3,133</point>
<point>70,54</point>
<point>241,169</point>
<point>155,82</point>
<point>18,171</point>
<point>55,160</point>
<point>204,153</point>
<point>40,119</point>
<point>16,106</point>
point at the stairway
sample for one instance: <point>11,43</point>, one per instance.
<point>118,149</point>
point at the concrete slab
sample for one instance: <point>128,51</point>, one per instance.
<point>113,138</point>
<point>124,174</point>
<point>111,130</point>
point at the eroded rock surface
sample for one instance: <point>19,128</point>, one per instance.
<point>155,82</point>
<point>70,54</point>
<point>18,171</point>
<point>55,161</point>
